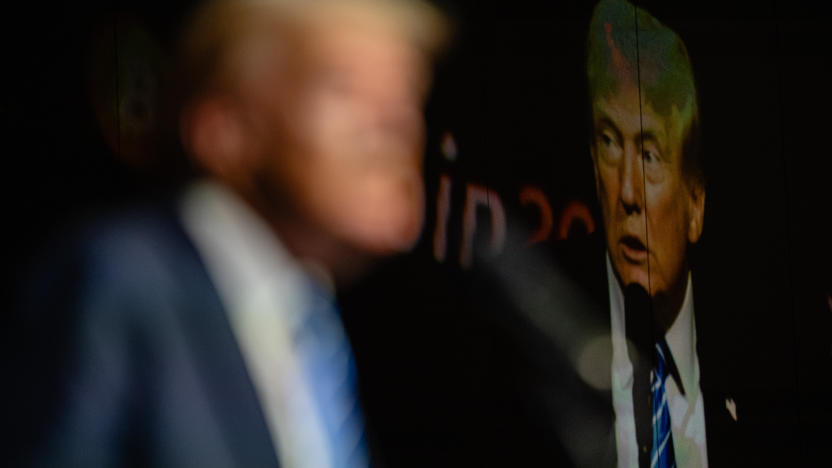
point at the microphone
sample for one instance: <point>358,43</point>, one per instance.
<point>638,320</point>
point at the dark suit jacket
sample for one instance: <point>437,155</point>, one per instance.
<point>131,360</point>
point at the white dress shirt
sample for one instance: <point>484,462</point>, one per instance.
<point>264,291</point>
<point>687,412</point>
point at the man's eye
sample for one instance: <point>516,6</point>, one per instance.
<point>607,140</point>
<point>649,156</point>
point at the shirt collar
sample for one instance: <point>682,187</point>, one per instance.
<point>241,251</point>
<point>680,337</point>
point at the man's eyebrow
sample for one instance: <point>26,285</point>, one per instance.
<point>607,122</point>
<point>651,136</point>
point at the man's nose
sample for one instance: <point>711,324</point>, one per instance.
<point>397,121</point>
<point>632,180</point>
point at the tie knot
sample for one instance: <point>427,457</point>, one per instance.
<point>662,351</point>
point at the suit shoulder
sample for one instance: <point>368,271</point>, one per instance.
<point>139,244</point>
<point>124,259</point>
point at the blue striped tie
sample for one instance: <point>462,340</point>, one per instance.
<point>662,454</point>
<point>330,369</point>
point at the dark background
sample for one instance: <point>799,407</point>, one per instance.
<point>511,91</point>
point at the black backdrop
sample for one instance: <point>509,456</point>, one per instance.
<point>510,93</point>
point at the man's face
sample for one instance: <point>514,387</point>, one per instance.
<point>344,138</point>
<point>649,212</point>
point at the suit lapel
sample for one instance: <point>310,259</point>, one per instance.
<point>721,420</point>
<point>220,365</point>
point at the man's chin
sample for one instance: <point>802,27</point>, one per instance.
<point>629,274</point>
<point>386,229</point>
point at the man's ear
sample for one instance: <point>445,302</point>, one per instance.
<point>213,133</point>
<point>696,209</point>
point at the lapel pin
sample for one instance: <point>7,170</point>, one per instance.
<point>731,406</point>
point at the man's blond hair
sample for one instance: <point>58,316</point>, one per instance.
<point>211,42</point>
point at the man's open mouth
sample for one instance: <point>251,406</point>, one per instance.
<point>634,250</point>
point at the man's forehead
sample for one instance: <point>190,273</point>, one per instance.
<point>355,38</point>
<point>340,37</point>
<point>412,22</point>
<point>622,111</point>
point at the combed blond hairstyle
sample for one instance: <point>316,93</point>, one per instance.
<point>658,57</point>
<point>216,31</point>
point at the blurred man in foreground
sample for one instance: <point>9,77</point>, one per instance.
<point>203,332</point>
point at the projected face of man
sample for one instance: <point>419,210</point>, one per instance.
<point>650,210</point>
